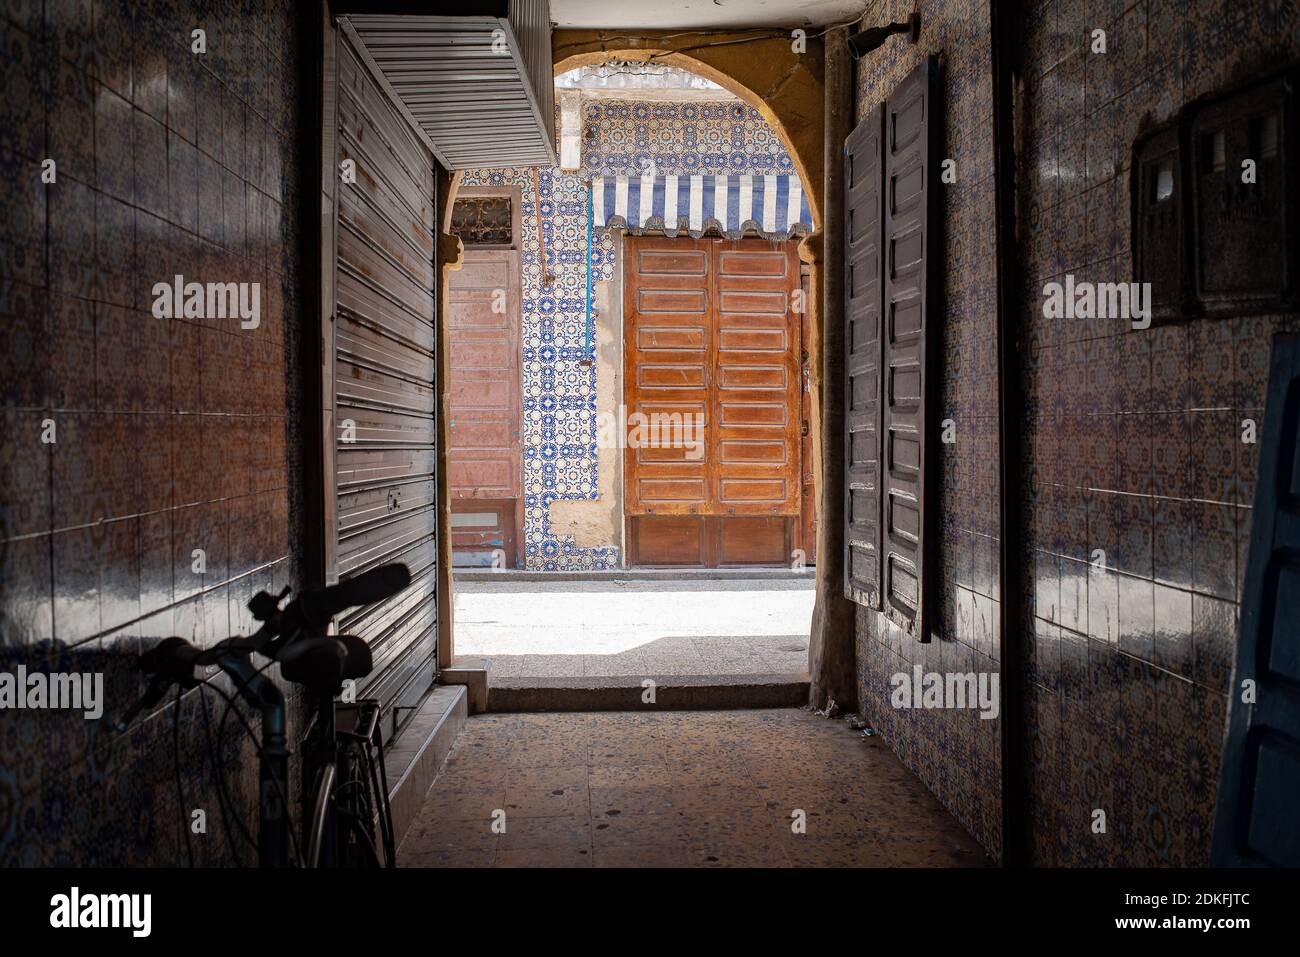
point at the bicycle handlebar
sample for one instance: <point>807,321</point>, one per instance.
<point>173,660</point>
<point>315,609</point>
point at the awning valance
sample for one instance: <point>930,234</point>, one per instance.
<point>774,206</point>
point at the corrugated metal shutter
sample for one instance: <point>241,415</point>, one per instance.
<point>479,87</point>
<point>384,390</point>
<point>862,183</point>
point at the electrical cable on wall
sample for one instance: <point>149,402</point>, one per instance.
<point>589,352</point>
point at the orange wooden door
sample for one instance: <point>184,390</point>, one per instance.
<point>755,399</point>
<point>712,342</point>
<point>484,416</point>
<point>667,364</point>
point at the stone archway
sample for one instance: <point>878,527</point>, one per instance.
<point>786,88</point>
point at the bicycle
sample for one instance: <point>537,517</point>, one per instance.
<point>348,798</point>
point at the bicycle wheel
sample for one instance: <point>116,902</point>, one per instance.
<point>355,809</point>
<point>324,794</point>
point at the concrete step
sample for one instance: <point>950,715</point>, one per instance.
<point>671,693</point>
<point>414,757</point>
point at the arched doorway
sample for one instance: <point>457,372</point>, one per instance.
<point>796,122</point>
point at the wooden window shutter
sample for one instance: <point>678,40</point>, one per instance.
<point>888,310</point>
<point>910,178</point>
<point>863,178</point>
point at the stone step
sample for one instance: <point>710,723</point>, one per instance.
<point>671,693</point>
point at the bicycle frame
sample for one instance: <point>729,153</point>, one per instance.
<point>320,777</point>
<point>273,766</point>
<point>172,661</point>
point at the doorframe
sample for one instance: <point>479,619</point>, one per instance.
<point>804,328</point>
<point>317,361</point>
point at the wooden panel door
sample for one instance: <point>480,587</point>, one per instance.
<point>712,340</point>
<point>757,389</point>
<point>668,368</point>
<point>483,459</point>
<point>483,307</point>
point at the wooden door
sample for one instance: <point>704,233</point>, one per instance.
<point>483,458</point>
<point>712,345</point>
<point>909,217</point>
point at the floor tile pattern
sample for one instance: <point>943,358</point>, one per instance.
<point>679,789</point>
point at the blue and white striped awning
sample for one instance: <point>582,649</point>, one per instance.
<point>774,206</point>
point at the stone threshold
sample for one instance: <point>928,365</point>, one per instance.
<point>671,693</point>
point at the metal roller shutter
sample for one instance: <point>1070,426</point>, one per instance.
<point>384,394</point>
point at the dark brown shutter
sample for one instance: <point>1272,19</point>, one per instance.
<point>862,291</point>
<point>909,180</point>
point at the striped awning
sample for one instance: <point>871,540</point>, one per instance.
<point>774,206</point>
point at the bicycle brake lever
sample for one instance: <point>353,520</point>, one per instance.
<point>265,606</point>
<point>153,694</point>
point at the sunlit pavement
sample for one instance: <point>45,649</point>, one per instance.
<point>611,628</point>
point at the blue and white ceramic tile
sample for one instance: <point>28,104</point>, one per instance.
<point>559,403</point>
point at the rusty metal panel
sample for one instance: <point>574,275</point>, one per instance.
<point>384,390</point>
<point>531,23</point>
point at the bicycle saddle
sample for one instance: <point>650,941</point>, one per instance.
<point>322,664</point>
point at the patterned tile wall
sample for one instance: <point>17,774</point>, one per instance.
<point>559,405</point>
<point>955,752</point>
<point>1133,443</point>
<point>170,434</point>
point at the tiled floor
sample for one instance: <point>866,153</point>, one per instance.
<point>629,628</point>
<point>678,789</point>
